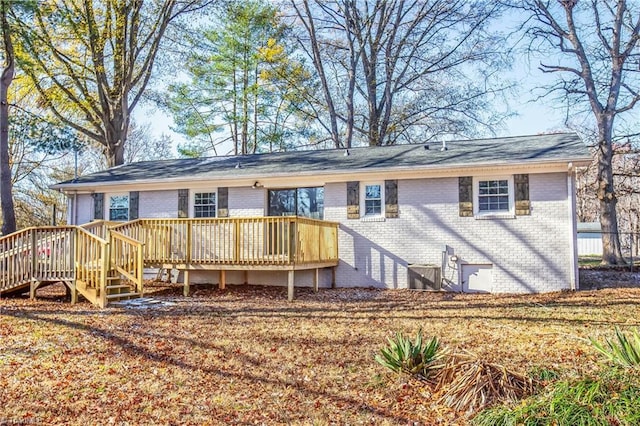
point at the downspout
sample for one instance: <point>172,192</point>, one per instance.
<point>573,229</point>
<point>75,208</point>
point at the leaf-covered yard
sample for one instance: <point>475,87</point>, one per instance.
<point>246,355</point>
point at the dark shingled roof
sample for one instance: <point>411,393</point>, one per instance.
<point>509,150</point>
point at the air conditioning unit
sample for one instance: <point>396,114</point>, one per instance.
<point>424,277</point>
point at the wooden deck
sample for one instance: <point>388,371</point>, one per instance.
<point>104,261</point>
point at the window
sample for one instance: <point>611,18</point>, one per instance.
<point>373,200</point>
<point>493,195</point>
<point>119,207</point>
<point>306,202</point>
<point>204,204</point>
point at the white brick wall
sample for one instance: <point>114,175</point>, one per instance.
<point>528,253</point>
<point>158,204</point>
<point>247,202</point>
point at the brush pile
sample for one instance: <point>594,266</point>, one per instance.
<point>468,384</point>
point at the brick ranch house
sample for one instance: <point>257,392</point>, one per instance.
<point>490,215</point>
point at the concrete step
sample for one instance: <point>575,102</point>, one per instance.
<point>117,296</point>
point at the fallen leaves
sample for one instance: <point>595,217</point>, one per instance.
<point>246,355</point>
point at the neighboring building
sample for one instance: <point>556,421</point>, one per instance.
<point>589,239</point>
<point>494,215</point>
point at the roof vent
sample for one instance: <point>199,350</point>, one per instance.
<point>238,165</point>
<point>426,147</point>
<point>346,153</point>
<point>444,146</point>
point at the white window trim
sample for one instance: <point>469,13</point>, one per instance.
<point>511,213</point>
<point>372,217</point>
<point>192,199</point>
<point>107,204</point>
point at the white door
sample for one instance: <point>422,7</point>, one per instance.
<point>477,278</point>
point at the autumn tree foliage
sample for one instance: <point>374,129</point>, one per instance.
<point>243,86</point>
<point>91,61</point>
<point>592,49</point>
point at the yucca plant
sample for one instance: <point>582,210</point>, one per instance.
<point>622,350</point>
<point>413,357</point>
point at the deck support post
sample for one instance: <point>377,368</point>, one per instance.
<point>333,277</point>
<point>246,277</point>
<point>290,282</point>
<point>32,289</point>
<point>186,283</point>
<point>315,279</point>
<point>74,292</point>
<point>222,284</point>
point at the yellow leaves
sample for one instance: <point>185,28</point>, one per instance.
<point>272,52</point>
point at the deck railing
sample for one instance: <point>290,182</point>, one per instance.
<point>127,258</point>
<point>43,254</point>
<point>92,262</point>
<point>15,258</point>
<point>255,241</point>
<point>99,227</point>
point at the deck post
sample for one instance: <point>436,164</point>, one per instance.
<point>315,280</point>
<point>290,283</point>
<point>333,277</point>
<point>246,276</point>
<point>32,289</point>
<point>222,284</point>
<point>34,254</point>
<point>185,290</point>
<point>74,292</point>
<point>105,254</point>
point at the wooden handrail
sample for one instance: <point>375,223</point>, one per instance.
<point>98,227</point>
<point>127,258</point>
<point>91,257</point>
<point>15,258</point>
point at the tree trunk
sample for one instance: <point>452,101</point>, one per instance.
<point>6,192</point>
<point>117,128</point>
<point>611,250</point>
<point>308,21</point>
<point>245,112</point>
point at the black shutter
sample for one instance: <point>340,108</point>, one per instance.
<point>223,202</point>
<point>523,205</point>
<point>134,197</point>
<point>183,203</point>
<point>98,206</point>
<point>353,200</point>
<point>465,196</point>
<point>391,198</point>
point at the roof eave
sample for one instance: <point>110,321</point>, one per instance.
<point>573,161</point>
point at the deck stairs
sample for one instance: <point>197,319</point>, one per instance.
<point>99,269</point>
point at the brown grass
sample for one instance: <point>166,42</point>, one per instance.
<point>246,355</point>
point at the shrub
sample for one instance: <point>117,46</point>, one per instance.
<point>414,357</point>
<point>622,350</point>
